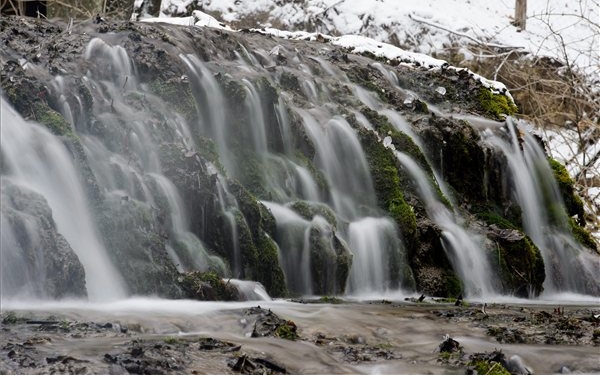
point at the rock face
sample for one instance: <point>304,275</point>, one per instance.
<point>184,136</point>
<point>36,260</point>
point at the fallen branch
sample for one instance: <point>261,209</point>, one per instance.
<point>477,41</point>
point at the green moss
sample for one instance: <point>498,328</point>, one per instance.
<point>421,107</point>
<point>269,272</point>
<point>492,218</point>
<point>178,94</point>
<point>406,145</point>
<point>219,290</point>
<point>404,215</point>
<point>248,251</point>
<point>250,173</point>
<point>453,285</point>
<point>308,210</point>
<point>495,105</point>
<point>582,236</point>
<point>208,150</point>
<point>287,331</point>
<point>331,300</point>
<point>10,318</point>
<point>573,203</point>
<point>52,120</point>
<point>520,264</point>
<point>172,340</point>
<point>364,77</point>
<point>386,181</point>
<point>489,368</point>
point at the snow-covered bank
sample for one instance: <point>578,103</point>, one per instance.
<point>429,26</point>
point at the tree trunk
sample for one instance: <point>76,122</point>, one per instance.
<point>520,14</point>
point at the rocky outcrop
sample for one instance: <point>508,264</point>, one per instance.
<point>37,261</point>
<point>233,232</point>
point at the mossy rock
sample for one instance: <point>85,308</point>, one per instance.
<point>401,141</point>
<point>495,105</point>
<point>573,206</point>
<point>489,368</point>
<point>179,95</point>
<point>372,80</point>
<point>489,215</point>
<point>573,203</point>
<point>290,82</point>
<point>386,181</point>
<point>53,120</point>
<point>309,210</point>
<point>265,267</point>
<point>453,143</point>
<point>582,236</point>
<point>268,270</point>
<point>453,286</point>
<point>287,331</point>
<point>493,363</point>
<point>136,232</point>
<point>249,172</point>
<point>207,286</point>
<point>519,261</point>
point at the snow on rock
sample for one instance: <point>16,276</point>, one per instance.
<point>197,18</point>
<point>353,43</point>
<point>361,44</point>
<point>430,26</point>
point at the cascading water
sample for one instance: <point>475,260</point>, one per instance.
<point>466,254</point>
<point>569,267</point>
<point>38,161</point>
<point>248,165</point>
<point>294,244</point>
<point>372,241</point>
<point>342,159</point>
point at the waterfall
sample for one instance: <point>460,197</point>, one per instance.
<point>569,267</point>
<point>372,241</point>
<point>253,165</point>
<point>38,160</point>
<point>464,249</point>
<point>294,233</point>
<point>342,159</point>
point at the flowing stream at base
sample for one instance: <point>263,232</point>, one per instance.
<point>412,332</point>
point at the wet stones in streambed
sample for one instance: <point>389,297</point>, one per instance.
<point>452,353</point>
<point>576,327</point>
<point>21,357</point>
<point>142,357</point>
<point>251,366</point>
<point>355,349</point>
<point>32,343</point>
<point>185,355</point>
<point>266,323</point>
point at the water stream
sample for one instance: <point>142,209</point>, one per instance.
<point>569,267</point>
<point>464,249</point>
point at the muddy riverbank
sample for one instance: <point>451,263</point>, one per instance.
<point>377,337</point>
